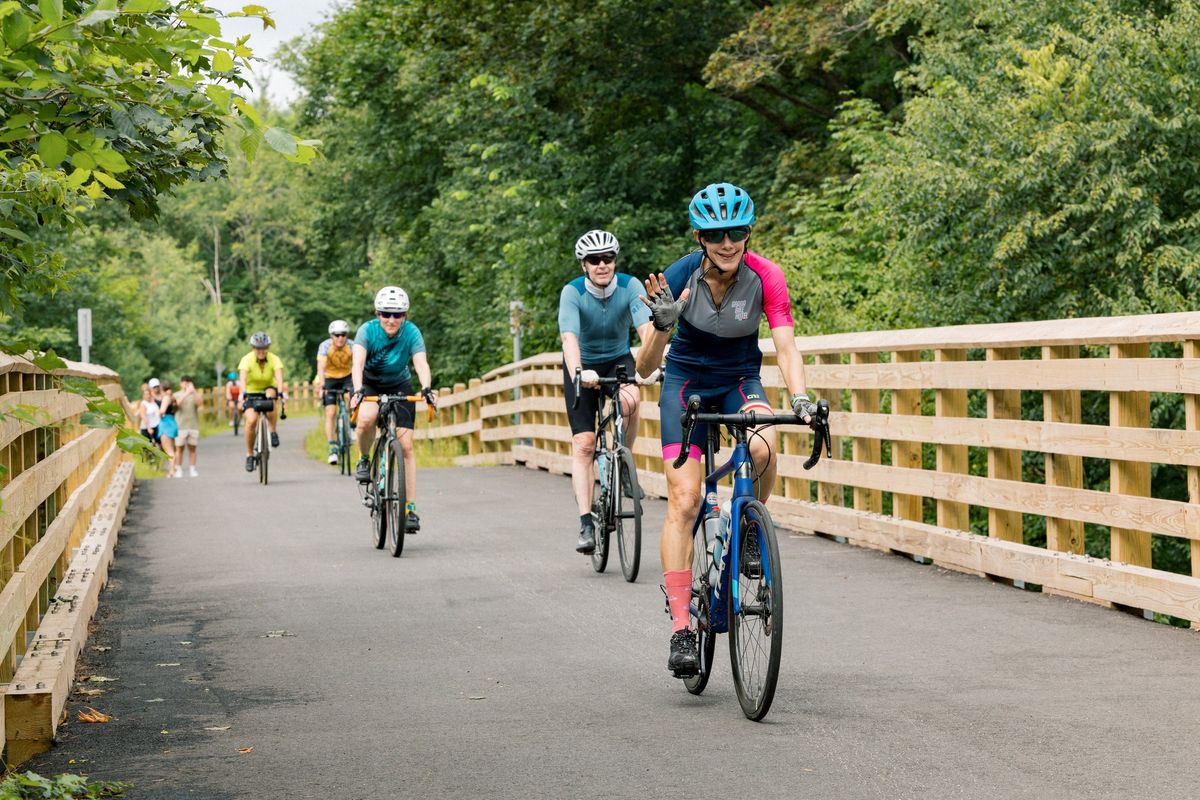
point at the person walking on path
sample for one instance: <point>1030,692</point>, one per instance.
<point>149,417</point>
<point>188,416</point>
<point>168,429</point>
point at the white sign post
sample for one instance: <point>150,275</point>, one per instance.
<point>85,334</point>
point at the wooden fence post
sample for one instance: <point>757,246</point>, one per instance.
<point>907,454</point>
<point>1004,464</point>
<point>1132,410</point>
<point>832,493</point>
<point>866,451</point>
<point>952,458</point>
<point>474,440</point>
<point>1064,535</point>
<point>1191,402</point>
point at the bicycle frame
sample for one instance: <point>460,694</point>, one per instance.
<point>742,467</point>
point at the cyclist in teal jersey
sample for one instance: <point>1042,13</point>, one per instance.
<point>724,290</point>
<point>595,312</point>
<point>383,348</point>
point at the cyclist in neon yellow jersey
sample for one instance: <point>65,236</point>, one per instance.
<point>260,376</point>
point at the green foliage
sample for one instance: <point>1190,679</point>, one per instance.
<point>1044,162</point>
<point>107,102</point>
<point>31,786</point>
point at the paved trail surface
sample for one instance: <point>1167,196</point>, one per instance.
<point>490,661</point>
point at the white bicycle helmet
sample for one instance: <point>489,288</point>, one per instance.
<point>260,339</point>
<point>596,242</point>
<point>391,298</point>
<point>339,326</point>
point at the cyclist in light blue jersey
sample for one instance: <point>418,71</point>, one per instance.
<point>595,313</point>
<point>382,349</point>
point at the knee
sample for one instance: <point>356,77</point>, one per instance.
<point>684,500</point>
<point>584,445</point>
<point>762,453</point>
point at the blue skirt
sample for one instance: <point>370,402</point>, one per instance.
<point>168,427</point>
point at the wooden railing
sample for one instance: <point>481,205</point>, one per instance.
<point>990,449</point>
<point>64,491</point>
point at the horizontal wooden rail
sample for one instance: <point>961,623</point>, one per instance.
<point>63,493</point>
<point>973,439</point>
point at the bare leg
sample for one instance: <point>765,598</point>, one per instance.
<point>583,447</point>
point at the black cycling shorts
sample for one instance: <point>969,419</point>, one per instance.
<point>334,388</point>
<point>407,409</point>
<point>583,417</point>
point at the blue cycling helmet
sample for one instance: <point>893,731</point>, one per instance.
<point>233,376</point>
<point>721,205</point>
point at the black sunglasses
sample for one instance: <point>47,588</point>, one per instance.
<point>392,314</point>
<point>717,236</point>
<point>596,259</point>
<point>341,334</point>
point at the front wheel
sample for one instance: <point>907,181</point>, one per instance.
<point>375,497</point>
<point>237,420</point>
<point>628,516</point>
<point>394,499</point>
<point>756,620</point>
<point>264,448</point>
<point>602,511</point>
<point>343,440</point>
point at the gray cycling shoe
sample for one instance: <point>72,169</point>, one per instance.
<point>587,539</point>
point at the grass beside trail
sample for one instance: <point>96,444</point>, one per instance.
<point>439,453</point>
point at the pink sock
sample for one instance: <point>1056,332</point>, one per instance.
<point>679,596</point>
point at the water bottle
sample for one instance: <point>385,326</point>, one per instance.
<point>714,538</point>
<point>602,468</point>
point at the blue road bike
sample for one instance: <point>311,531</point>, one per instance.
<point>746,599</point>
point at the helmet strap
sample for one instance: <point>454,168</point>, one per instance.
<point>713,264</point>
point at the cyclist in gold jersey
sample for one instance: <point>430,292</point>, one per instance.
<point>334,360</point>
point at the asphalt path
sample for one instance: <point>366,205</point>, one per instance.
<point>490,661</point>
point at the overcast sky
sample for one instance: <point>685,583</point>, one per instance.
<point>292,18</point>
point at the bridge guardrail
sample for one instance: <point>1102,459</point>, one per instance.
<point>936,456</point>
<point>64,491</point>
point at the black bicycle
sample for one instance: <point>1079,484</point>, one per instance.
<point>385,494</point>
<point>746,602</point>
<point>341,427</point>
<point>616,496</point>
<point>263,406</point>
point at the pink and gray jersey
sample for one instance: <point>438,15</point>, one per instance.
<point>722,341</point>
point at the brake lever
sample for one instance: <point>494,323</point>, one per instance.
<point>575,402</point>
<point>687,421</point>
<point>821,436</point>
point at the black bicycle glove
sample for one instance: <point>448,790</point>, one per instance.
<point>665,309</point>
<point>427,393</point>
<point>803,406</point>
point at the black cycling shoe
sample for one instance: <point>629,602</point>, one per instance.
<point>751,557</point>
<point>274,439</point>
<point>363,471</point>
<point>250,464</point>
<point>414,523</point>
<point>587,539</point>
<point>684,660</point>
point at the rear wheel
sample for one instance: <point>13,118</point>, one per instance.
<point>628,517</point>
<point>756,629</point>
<point>699,614</point>
<point>394,501</point>
<point>237,420</point>
<point>602,512</point>
<point>264,448</point>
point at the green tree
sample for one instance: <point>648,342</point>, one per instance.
<point>104,101</point>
